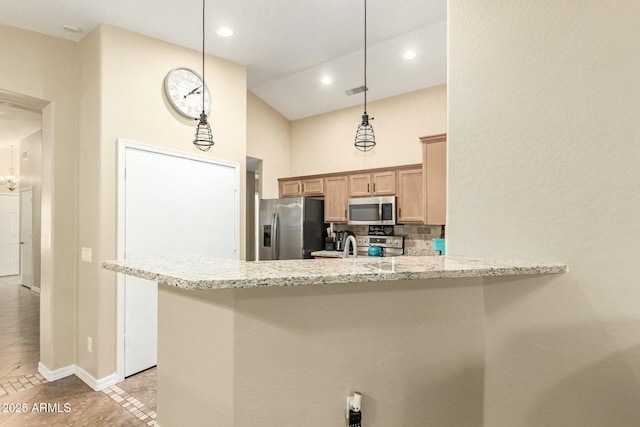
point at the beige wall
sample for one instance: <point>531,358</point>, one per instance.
<point>268,139</point>
<point>543,165</point>
<point>5,164</point>
<point>43,69</point>
<point>324,143</point>
<point>90,310</point>
<point>291,355</point>
<point>122,84</point>
<point>31,176</point>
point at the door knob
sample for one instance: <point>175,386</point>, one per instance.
<point>22,243</point>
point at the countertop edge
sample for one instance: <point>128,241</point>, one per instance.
<point>362,277</point>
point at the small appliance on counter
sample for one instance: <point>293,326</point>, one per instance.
<point>341,238</point>
<point>329,244</point>
<point>380,245</point>
<point>439,245</point>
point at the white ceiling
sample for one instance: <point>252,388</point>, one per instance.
<point>287,45</point>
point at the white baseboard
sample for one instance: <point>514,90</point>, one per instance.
<point>57,374</point>
<point>96,384</point>
<point>86,377</point>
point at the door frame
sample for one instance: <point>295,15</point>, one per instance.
<point>123,145</point>
<point>33,252</point>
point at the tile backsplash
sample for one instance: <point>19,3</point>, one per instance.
<point>417,238</point>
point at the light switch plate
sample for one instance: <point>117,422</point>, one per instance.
<point>86,254</point>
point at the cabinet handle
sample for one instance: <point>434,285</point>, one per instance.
<point>374,187</point>
<point>400,212</point>
<point>345,213</point>
<point>367,188</point>
<point>298,188</point>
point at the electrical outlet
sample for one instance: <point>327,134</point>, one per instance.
<point>353,409</point>
<point>89,344</point>
<point>349,399</point>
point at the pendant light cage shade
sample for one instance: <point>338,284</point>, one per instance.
<point>365,138</point>
<point>203,137</point>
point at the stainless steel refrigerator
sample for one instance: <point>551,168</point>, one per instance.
<point>291,228</point>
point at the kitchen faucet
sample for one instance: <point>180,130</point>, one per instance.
<point>350,241</point>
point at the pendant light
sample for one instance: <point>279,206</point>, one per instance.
<point>10,181</point>
<point>203,137</point>
<point>365,139</point>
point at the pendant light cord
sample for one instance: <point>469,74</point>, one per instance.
<point>365,57</point>
<point>203,82</point>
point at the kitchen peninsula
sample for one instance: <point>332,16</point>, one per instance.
<point>283,343</point>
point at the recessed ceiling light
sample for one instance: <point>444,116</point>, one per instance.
<point>409,54</point>
<point>326,80</point>
<point>224,32</point>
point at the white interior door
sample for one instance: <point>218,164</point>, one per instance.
<point>26,237</point>
<point>9,234</point>
<point>173,205</point>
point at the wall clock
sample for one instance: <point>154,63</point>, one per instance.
<point>183,88</point>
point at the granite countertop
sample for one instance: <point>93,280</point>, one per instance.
<point>198,273</point>
<point>328,254</point>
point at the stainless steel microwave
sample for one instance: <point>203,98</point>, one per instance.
<point>372,211</point>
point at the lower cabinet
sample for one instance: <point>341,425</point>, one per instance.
<point>410,200</point>
<point>336,193</point>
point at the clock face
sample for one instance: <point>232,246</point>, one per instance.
<point>183,88</point>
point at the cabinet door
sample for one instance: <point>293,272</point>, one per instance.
<point>435,161</point>
<point>336,193</point>
<point>410,196</point>
<point>384,183</point>
<point>291,188</point>
<point>313,187</point>
<point>360,185</point>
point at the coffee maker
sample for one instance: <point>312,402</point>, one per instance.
<point>341,238</point>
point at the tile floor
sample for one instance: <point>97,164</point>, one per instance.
<point>27,399</point>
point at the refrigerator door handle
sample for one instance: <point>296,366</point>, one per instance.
<point>275,249</point>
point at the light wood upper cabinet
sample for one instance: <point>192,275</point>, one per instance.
<point>290,188</point>
<point>434,166</point>
<point>373,184</point>
<point>384,183</point>
<point>313,187</point>
<point>336,193</point>
<point>418,198</point>
<point>302,187</point>
<point>360,185</point>
<point>410,201</point>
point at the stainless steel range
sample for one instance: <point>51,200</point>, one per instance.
<point>390,245</point>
